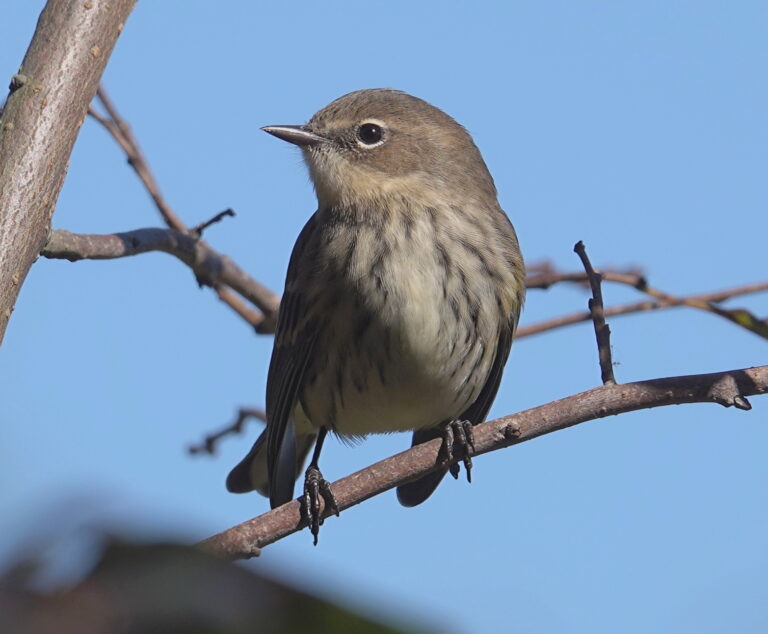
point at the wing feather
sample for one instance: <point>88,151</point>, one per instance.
<point>295,338</point>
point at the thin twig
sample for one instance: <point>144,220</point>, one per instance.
<point>545,279</point>
<point>197,230</point>
<point>602,330</point>
<point>262,297</point>
<point>702,301</point>
<point>641,306</point>
<point>256,319</point>
<point>726,388</point>
<point>121,132</point>
<point>209,442</point>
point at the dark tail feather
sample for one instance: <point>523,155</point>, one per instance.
<point>251,472</point>
<point>285,469</point>
<point>240,479</point>
<point>414,493</point>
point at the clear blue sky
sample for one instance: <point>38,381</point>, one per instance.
<point>638,127</point>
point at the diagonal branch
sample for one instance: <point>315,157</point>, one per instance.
<point>259,294</point>
<point>642,306</point>
<point>40,120</point>
<point>706,302</point>
<point>726,388</point>
<point>120,131</point>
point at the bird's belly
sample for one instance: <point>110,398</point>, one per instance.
<point>405,400</point>
<point>414,365</point>
<point>408,341</point>
<point>402,404</point>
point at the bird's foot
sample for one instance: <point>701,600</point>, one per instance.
<point>315,487</point>
<point>458,441</point>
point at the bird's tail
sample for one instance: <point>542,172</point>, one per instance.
<point>413,493</point>
<point>251,472</point>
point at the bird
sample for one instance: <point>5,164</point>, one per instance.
<point>402,296</point>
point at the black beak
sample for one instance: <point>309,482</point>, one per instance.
<point>296,134</point>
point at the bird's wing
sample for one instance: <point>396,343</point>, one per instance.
<point>477,412</point>
<point>413,493</point>
<point>295,338</point>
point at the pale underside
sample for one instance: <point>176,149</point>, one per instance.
<point>413,352</point>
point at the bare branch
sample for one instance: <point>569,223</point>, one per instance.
<point>258,320</point>
<point>210,268</point>
<point>702,301</point>
<point>602,330</point>
<point>641,306</point>
<point>197,230</point>
<point>544,279</point>
<point>255,292</point>
<point>209,442</point>
<point>726,388</point>
<point>40,121</point>
<point>120,131</point>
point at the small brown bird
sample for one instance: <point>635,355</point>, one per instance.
<point>402,296</point>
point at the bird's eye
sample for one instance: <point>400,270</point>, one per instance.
<point>370,133</point>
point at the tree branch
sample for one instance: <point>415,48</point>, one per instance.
<point>40,121</point>
<point>210,267</point>
<point>257,293</point>
<point>197,231</point>
<point>119,130</point>
<point>545,277</point>
<point>726,388</point>
<point>602,329</point>
<point>706,302</point>
<point>209,442</point>
<point>642,306</point>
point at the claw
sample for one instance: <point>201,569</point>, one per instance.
<point>328,497</point>
<point>315,487</point>
<point>446,449</point>
<point>458,436</point>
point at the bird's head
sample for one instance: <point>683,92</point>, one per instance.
<point>376,143</point>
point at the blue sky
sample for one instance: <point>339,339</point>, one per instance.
<point>638,127</point>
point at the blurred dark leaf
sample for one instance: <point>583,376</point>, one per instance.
<point>168,588</point>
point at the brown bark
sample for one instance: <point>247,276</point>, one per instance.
<point>47,104</point>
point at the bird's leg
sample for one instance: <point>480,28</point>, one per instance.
<point>458,441</point>
<point>315,487</point>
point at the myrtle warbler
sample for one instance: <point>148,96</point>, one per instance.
<point>401,299</point>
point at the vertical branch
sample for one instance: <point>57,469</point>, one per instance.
<point>602,331</point>
<point>47,104</point>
